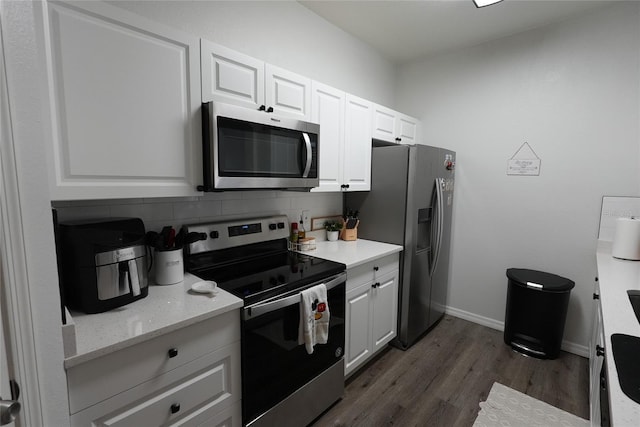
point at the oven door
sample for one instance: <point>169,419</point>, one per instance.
<point>247,149</point>
<point>274,365</point>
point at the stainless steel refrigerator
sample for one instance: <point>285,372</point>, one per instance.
<point>410,204</point>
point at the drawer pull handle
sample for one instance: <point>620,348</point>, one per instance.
<point>376,285</point>
<point>173,352</point>
<point>175,408</point>
<point>375,268</point>
<point>599,350</point>
<point>596,296</point>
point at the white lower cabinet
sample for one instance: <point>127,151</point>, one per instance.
<point>596,359</point>
<point>371,310</point>
<point>189,377</point>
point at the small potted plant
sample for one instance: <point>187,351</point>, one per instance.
<point>333,230</point>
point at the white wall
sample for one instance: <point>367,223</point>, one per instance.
<point>283,33</point>
<point>571,91</point>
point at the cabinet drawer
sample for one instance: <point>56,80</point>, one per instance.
<point>230,417</point>
<point>188,395</point>
<point>366,273</point>
<point>101,378</point>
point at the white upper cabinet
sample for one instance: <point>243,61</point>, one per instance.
<point>328,107</point>
<point>357,165</point>
<point>392,126</point>
<point>406,129</point>
<point>288,93</point>
<point>231,77</point>
<point>345,139</point>
<point>125,104</point>
<point>384,124</point>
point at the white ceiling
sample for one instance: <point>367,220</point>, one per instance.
<point>404,31</point>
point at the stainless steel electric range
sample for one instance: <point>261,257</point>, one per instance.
<point>282,385</point>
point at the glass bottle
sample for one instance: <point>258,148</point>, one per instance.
<point>301,232</point>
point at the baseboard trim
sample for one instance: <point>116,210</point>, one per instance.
<point>567,346</point>
<point>475,318</point>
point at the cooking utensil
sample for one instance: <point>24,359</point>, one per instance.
<point>164,243</point>
<point>171,240</point>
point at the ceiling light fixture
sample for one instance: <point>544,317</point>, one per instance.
<point>483,3</point>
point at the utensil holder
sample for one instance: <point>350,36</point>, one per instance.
<point>169,267</point>
<point>349,234</point>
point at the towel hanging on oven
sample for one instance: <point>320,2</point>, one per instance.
<point>314,317</point>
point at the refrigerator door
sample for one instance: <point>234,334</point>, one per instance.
<point>416,286</point>
<point>440,274</point>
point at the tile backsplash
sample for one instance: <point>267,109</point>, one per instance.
<point>158,212</point>
<point>614,208</point>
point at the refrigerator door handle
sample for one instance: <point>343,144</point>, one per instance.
<point>437,223</point>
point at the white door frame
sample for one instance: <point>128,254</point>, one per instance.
<point>14,280</point>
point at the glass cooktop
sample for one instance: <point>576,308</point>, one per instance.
<point>257,278</point>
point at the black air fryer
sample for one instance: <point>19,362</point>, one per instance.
<point>103,263</point>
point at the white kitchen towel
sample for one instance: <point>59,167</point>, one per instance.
<point>314,317</point>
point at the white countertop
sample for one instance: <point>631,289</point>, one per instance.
<point>353,253</point>
<point>165,309</point>
<point>616,276</point>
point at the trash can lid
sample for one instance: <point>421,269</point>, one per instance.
<point>540,280</point>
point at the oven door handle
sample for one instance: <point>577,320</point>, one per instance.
<point>267,307</point>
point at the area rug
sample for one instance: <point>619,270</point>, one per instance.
<point>506,407</point>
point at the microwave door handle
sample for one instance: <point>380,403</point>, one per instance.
<point>307,143</point>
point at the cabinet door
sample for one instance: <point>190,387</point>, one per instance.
<point>231,77</point>
<point>327,109</point>
<point>358,327</point>
<point>288,93</point>
<point>357,162</point>
<point>125,104</point>
<point>595,361</point>
<point>384,307</point>
<point>406,129</point>
<point>384,124</point>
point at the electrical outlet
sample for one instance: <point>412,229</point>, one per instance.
<point>305,219</point>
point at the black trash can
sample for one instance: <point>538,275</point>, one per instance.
<point>536,312</point>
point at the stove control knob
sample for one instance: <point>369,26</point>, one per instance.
<point>281,225</point>
<point>214,234</point>
<point>272,227</point>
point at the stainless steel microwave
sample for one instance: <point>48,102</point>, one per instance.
<point>252,149</point>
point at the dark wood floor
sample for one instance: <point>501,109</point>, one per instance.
<point>440,380</point>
